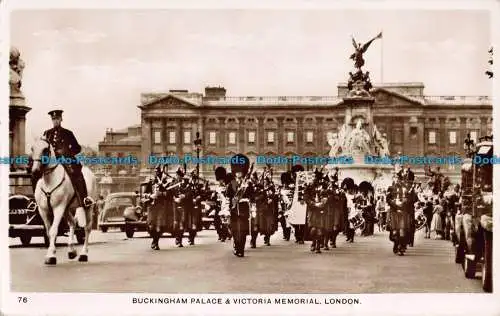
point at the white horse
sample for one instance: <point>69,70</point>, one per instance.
<point>56,199</point>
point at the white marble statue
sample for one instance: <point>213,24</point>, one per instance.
<point>359,140</point>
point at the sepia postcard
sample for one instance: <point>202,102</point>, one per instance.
<point>249,157</point>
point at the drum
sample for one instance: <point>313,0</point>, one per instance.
<point>357,221</point>
<point>420,220</point>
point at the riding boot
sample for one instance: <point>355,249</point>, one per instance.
<point>80,186</point>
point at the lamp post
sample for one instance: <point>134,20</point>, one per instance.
<point>197,143</point>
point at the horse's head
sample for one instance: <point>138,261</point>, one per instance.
<point>41,148</point>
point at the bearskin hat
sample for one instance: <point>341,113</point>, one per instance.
<point>220,173</point>
<point>240,163</point>
<point>365,186</point>
<point>348,184</point>
<point>286,178</point>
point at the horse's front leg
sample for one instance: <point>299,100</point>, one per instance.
<point>71,245</point>
<point>50,258</point>
<point>84,254</point>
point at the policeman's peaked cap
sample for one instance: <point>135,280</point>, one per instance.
<point>220,173</point>
<point>240,163</point>
<point>55,113</point>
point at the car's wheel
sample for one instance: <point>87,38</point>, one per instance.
<point>206,226</point>
<point>487,273</point>
<point>122,229</point>
<point>104,229</point>
<point>25,239</point>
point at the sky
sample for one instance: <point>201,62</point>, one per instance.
<point>94,64</point>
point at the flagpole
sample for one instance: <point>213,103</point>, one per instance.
<point>382,58</point>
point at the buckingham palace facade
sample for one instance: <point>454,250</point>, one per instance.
<point>415,124</point>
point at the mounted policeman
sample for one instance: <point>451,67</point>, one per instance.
<point>57,199</point>
<point>64,143</point>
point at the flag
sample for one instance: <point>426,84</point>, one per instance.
<point>379,35</point>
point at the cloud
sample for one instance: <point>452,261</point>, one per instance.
<point>70,34</point>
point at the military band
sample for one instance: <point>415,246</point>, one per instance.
<point>313,206</point>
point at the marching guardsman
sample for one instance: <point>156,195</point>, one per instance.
<point>160,200</point>
<point>286,196</point>
<point>298,211</point>
<point>193,206</point>
<point>220,177</point>
<point>182,200</point>
<point>266,204</point>
<point>351,212</point>
<point>367,205</point>
<point>316,197</point>
<point>64,143</point>
<point>240,192</point>
<point>401,199</point>
<point>337,205</point>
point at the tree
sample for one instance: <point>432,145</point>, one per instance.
<point>489,73</point>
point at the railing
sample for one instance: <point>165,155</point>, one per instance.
<point>275,100</point>
<point>333,100</point>
<point>458,100</point>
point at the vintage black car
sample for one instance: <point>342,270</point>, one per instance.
<point>122,210</point>
<point>474,221</point>
<point>25,221</point>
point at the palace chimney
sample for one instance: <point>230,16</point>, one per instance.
<point>215,93</point>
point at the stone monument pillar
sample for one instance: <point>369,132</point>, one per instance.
<point>20,179</point>
<point>359,137</point>
<point>17,106</point>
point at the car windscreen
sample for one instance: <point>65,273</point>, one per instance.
<point>122,200</point>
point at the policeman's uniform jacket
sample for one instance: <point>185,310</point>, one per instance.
<point>63,141</point>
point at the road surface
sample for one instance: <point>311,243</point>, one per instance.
<point>117,264</point>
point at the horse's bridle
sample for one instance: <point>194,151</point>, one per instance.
<point>46,170</point>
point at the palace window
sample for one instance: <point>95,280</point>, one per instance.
<point>171,137</point>
<point>187,137</point>
<point>251,137</point>
<point>309,136</point>
<point>473,136</point>
<point>453,137</point>
<point>413,132</point>
<point>328,135</point>
<point>270,137</point>
<point>157,137</point>
<point>432,137</point>
<point>290,137</point>
<point>212,138</point>
<point>232,138</point>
